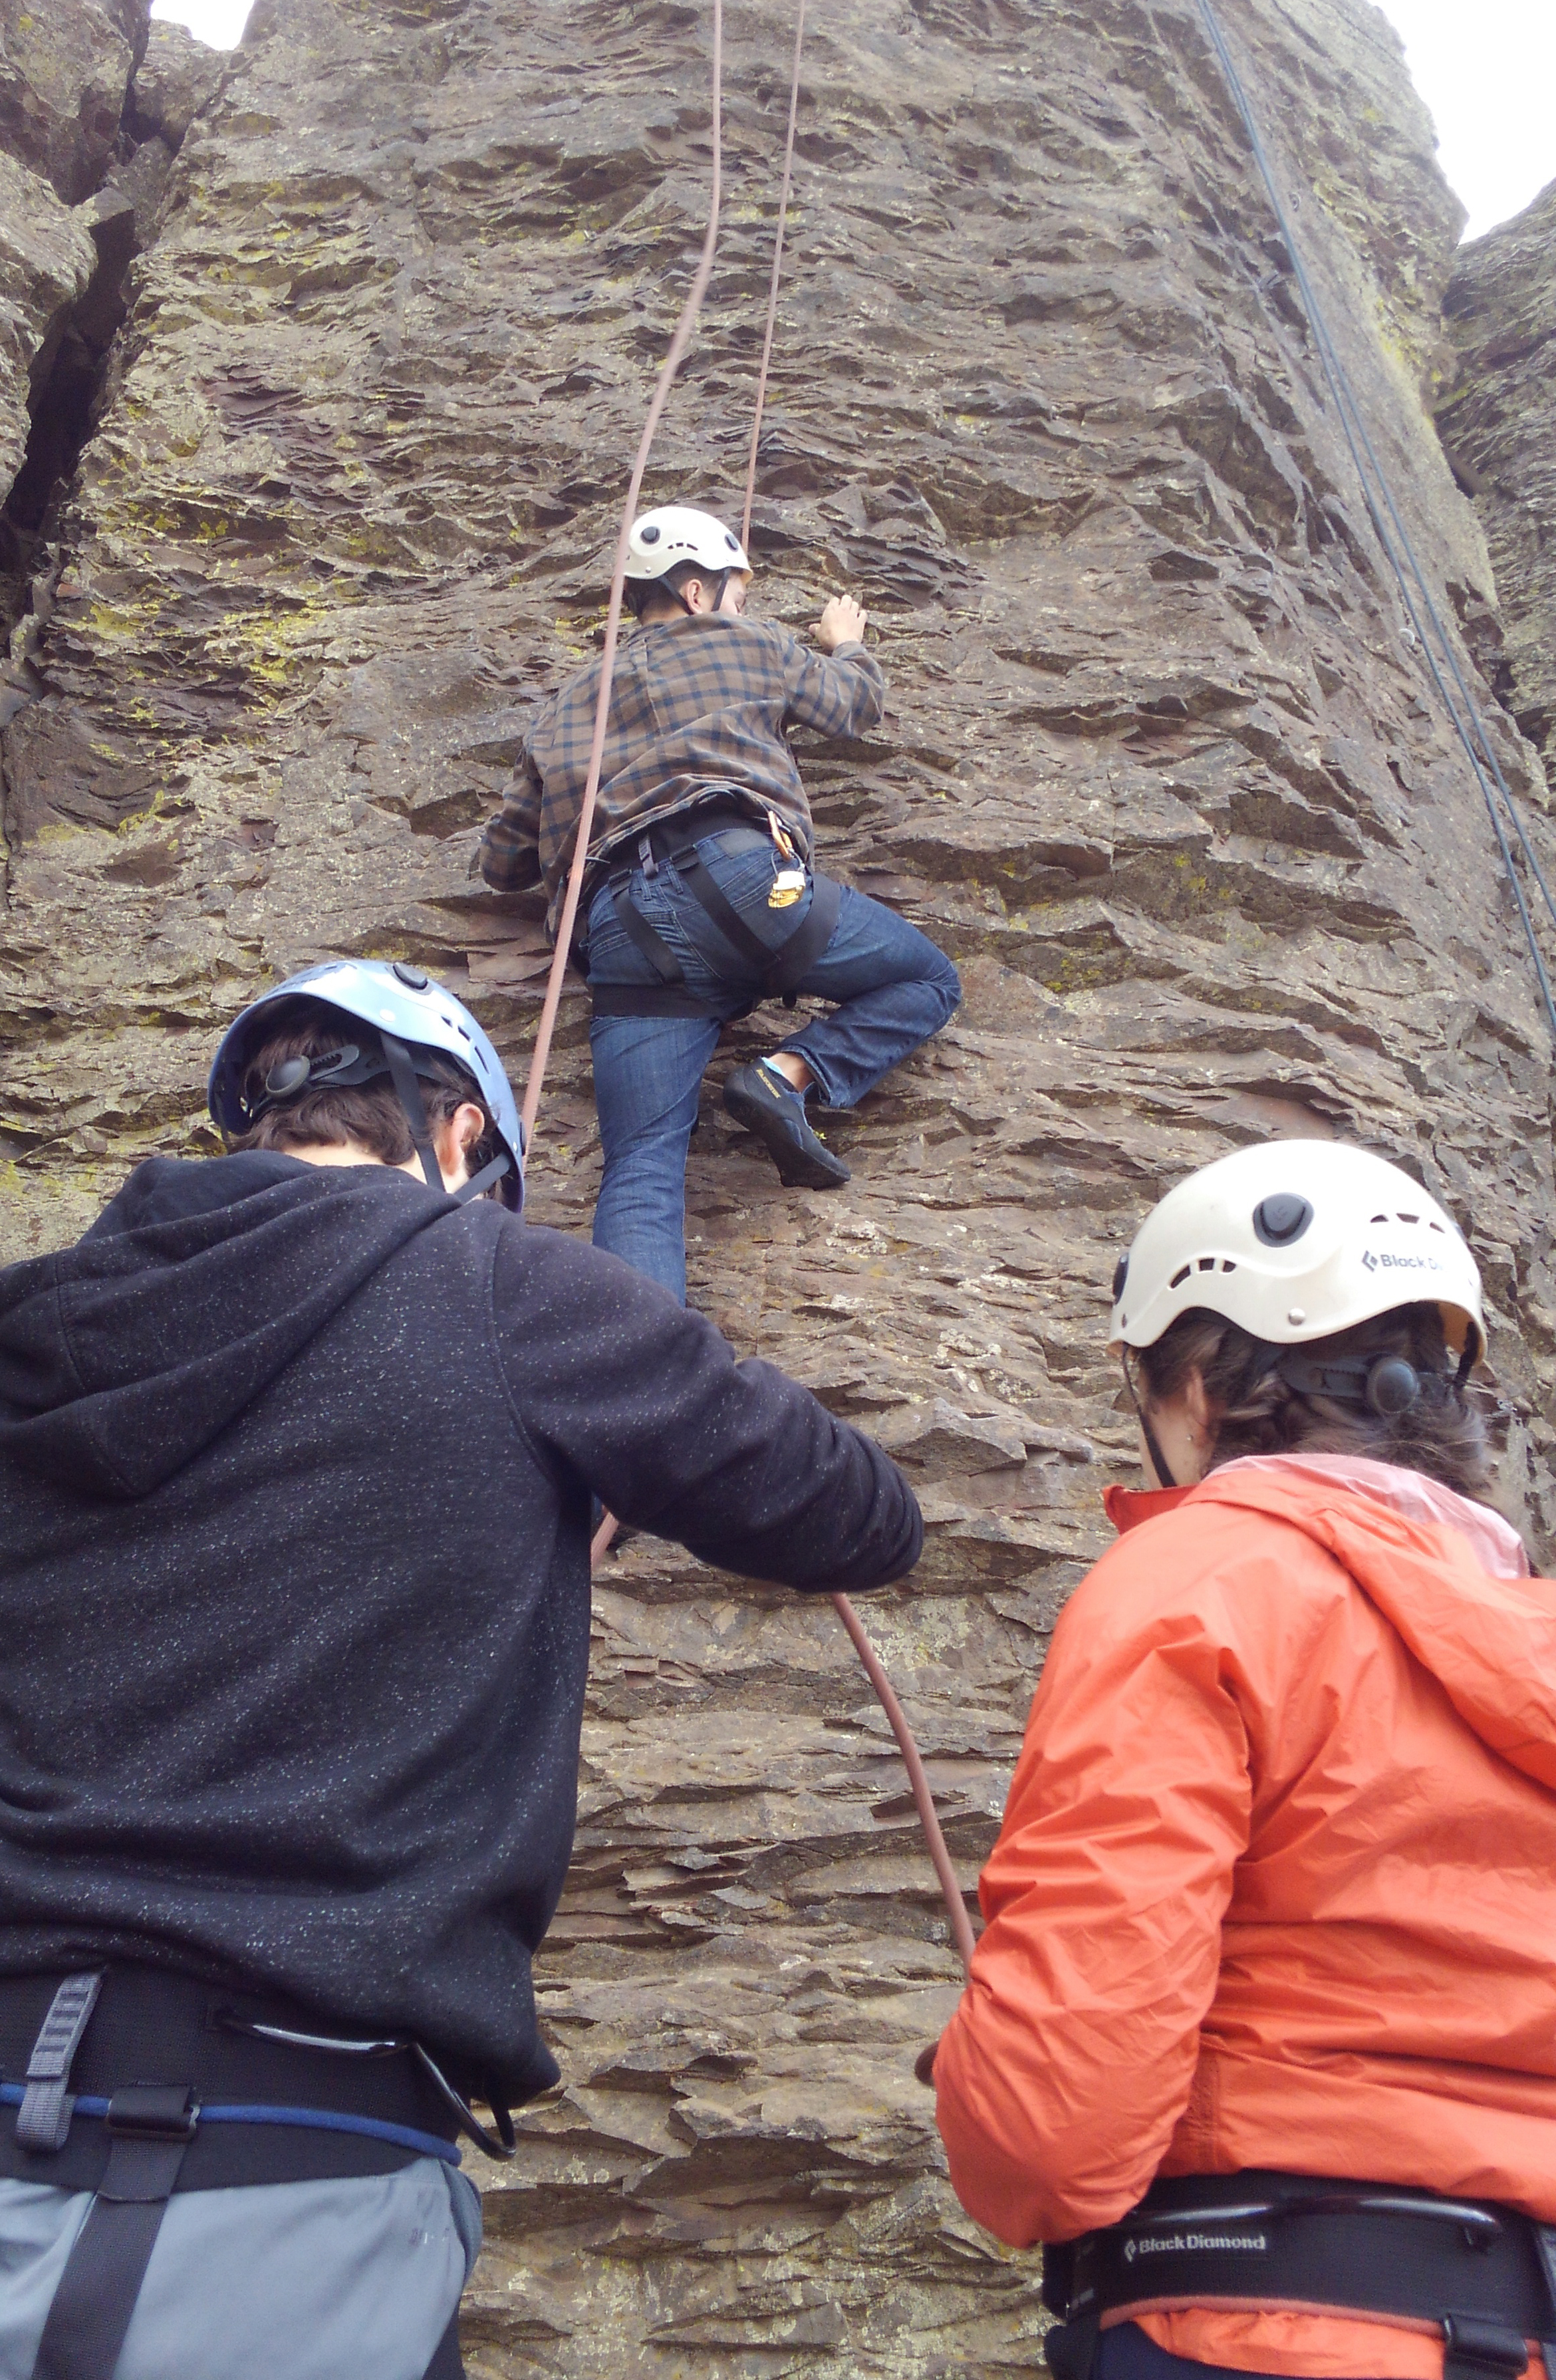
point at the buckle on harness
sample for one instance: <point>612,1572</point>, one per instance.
<point>147,2111</point>
<point>1475,2345</point>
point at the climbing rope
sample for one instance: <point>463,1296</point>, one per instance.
<point>679,340</point>
<point>961,1929</point>
<point>924,1801</point>
<point>777,275</point>
<point>1420,606</point>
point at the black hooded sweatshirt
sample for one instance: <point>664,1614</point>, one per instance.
<point>294,1478</point>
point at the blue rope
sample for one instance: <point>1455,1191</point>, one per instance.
<point>315,2119</point>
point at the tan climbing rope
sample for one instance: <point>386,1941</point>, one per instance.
<point>924,1801</point>
<point>678,343</point>
<point>955,1906</point>
<point>777,275</point>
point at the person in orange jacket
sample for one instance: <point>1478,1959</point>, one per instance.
<point>1260,2035</point>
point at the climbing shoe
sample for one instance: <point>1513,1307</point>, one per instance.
<point>759,1097</point>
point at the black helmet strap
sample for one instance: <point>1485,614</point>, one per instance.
<point>1159,1462</point>
<point>402,1073</point>
<point>715,579</point>
<point>354,1063</point>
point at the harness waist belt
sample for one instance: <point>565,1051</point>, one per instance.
<point>668,837</point>
<point>1480,2273</point>
<point>143,2138</point>
<point>778,971</point>
<point>269,2110</point>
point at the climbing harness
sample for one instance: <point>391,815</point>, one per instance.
<point>1420,606</point>
<point>254,2099</point>
<point>676,845</point>
<point>1481,2276</point>
<point>956,1905</point>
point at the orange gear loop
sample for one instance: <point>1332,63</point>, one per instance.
<point>955,1906</point>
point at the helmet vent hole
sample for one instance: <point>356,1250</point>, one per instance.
<point>1227,1265</point>
<point>1206,1264</point>
<point>1279,1221</point>
<point>1121,1274</point>
<point>1409,1218</point>
<point>1180,1276</point>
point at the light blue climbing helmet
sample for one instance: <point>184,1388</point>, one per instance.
<point>407,1017</point>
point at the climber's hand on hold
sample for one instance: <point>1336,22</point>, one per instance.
<point>843,623</point>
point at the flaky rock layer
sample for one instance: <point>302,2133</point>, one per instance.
<point>1498,422</point>
<point>1162,768</point>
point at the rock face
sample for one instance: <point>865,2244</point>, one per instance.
<point>64,74</point>
<point>1161,768</point>
<point>1500,424</point>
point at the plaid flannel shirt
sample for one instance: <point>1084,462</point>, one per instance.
<point>698,707</point>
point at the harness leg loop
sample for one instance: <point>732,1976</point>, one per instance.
<point>149,2129</point>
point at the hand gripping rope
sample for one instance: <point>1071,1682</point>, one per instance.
<point>955,1906</point>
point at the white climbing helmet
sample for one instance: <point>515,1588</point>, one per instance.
<point>1295,1240</point>
<point>674,533</point>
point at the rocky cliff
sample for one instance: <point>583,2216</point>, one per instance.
<point>1499,423</point>
<point>1162,768</point>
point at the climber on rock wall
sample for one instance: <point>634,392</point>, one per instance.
<point>1262,2026</point>
<point>702,898</point>
<point>296,1452</point>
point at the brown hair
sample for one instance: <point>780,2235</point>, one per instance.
<point>368,1114</point>
<point>1257,1412</point>
<point>641,594</point>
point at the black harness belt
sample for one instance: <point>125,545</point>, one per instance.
<point>778,971</point>
<point>233,2088</point>
<point>1481,2276</point>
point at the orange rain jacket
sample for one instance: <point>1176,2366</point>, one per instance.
<point>1276,1884</point>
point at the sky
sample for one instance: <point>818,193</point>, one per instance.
<point>1487,69</point>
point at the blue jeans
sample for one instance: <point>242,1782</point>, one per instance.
<point>892,986</point>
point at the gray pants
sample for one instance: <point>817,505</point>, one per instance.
<point>289,2280</point>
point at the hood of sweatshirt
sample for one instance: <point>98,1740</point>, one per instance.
<point>1489,1638</point>
<point>122,1357</point>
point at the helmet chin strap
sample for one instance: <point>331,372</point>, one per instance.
<point>402,1073</point>
<point>1159,1462</point>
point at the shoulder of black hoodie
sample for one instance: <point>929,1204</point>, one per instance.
<point>615,1383</point>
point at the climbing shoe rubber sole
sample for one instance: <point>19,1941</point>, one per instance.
<point>775,1113</point>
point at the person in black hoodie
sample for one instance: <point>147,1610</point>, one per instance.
<point>297,1455</point>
